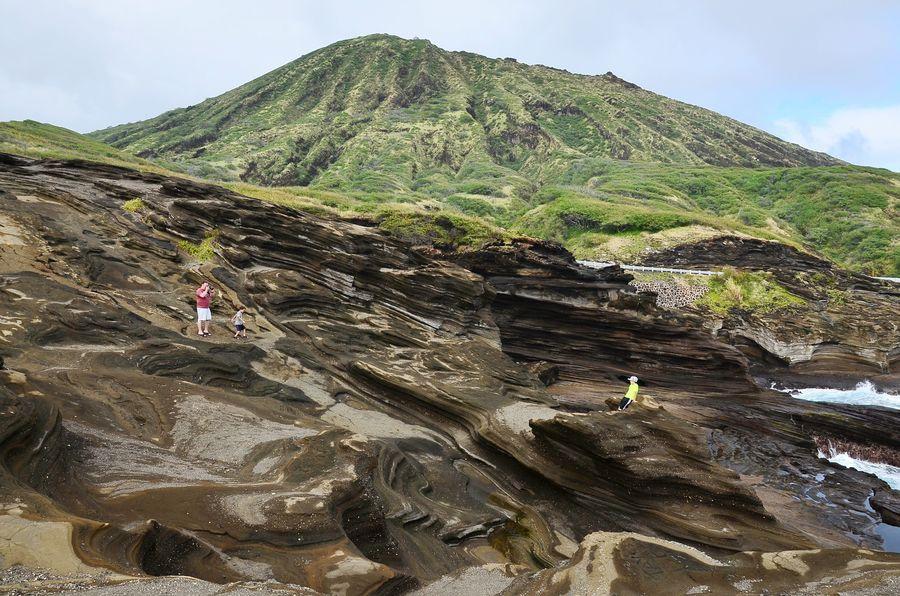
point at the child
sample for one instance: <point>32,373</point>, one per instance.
<point>238,320</point>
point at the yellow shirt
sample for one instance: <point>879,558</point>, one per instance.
<point>632,391</point>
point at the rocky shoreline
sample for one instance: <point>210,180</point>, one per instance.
<point>400,417</point>
<point>847,331</point>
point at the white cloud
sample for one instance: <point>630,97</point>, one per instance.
<point>866,136</point>
<point>101,63</point>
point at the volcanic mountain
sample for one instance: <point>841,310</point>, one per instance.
<point>594,162</point>
<point>389,113</point>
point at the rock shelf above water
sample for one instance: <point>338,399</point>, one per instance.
<point>398,417</point>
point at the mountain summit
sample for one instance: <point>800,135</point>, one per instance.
<point>382,113</point>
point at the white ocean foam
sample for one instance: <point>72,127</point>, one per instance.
<point>864,394</point>
<point>888,473</point>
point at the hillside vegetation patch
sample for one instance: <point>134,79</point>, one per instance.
<point>202,251</point>
<point>747,290</point>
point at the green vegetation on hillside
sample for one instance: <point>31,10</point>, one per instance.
<point>385,114</point>
<point>599,208</point>
<point>379,123</point>
<point>846,213</point>
<point>747,290</point>
<point>443,229</point>
<point>36,139</point>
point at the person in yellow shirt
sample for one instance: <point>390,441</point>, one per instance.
<point>631,394</point>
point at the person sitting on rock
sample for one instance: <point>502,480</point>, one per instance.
<point>631,394</point>
<point>238,320</point>
<point>204,315</point>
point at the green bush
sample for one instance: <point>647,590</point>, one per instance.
<point>570,215</point>
<point>441,229</point>
<point>202,251</point>
<point>133,205</point>
<point>837,297</point>
<point>471,205</point>
<point>747,290</point>
<point>479,188</point>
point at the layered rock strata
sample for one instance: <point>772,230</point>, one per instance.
<point>847,328</point>
<point>389,424</point>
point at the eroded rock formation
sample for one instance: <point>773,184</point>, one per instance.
<point>395,419</point>
<point>847,330</point>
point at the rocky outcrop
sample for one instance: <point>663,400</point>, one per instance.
<point>395,419</point>
<point>592,325</point>
<point>621,563</point>
<point>738,251</point>
<point>846,330</point>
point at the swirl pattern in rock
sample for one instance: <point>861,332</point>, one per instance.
<point>389,424</point>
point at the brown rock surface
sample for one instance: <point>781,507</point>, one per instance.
<point>848,329</point>
<point>382,429</point>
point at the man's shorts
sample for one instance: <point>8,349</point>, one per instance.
<point>203,314</point>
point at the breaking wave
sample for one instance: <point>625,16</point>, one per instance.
<point>864,394</point>
<point>890,474</point>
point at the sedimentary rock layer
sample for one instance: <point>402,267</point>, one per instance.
<point>387,424</point>
<point>847,329</point>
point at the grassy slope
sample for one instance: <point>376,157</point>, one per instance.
<point>36,139</point>
<point>416,222</point>
<point>605,167</point>
<point>847,213</point>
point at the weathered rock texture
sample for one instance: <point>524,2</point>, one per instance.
<point>389,422</point>
<point>849,328</point>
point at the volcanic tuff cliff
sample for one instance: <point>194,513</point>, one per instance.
<point>396,418</point>
<point>381,111</point>
<point>844,328</point>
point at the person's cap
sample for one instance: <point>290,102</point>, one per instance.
<point>633,379</point>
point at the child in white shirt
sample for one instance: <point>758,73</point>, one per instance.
<point>238,320</point>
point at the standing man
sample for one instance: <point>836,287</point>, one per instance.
<point>204,316</point>
<point>631,394</point>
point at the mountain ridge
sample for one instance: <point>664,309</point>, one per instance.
<point>382,95</point>
<point>453,148</point>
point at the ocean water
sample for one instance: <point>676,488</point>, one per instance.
<point>891,536</point>
<point>888,473</point>
<point>863,394</point>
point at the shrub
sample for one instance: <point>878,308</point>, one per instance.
<point>479,188</point>
<point>437,228</point>
<point>133,206</point>
<point>202,251</point>
<point>748,290</point>
<point>571,215</point>
<point>471,205</point>
<point>836,297</point>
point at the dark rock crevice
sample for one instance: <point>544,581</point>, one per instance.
<point>379,430</point>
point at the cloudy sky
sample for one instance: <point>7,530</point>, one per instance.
<point>823,73</point>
